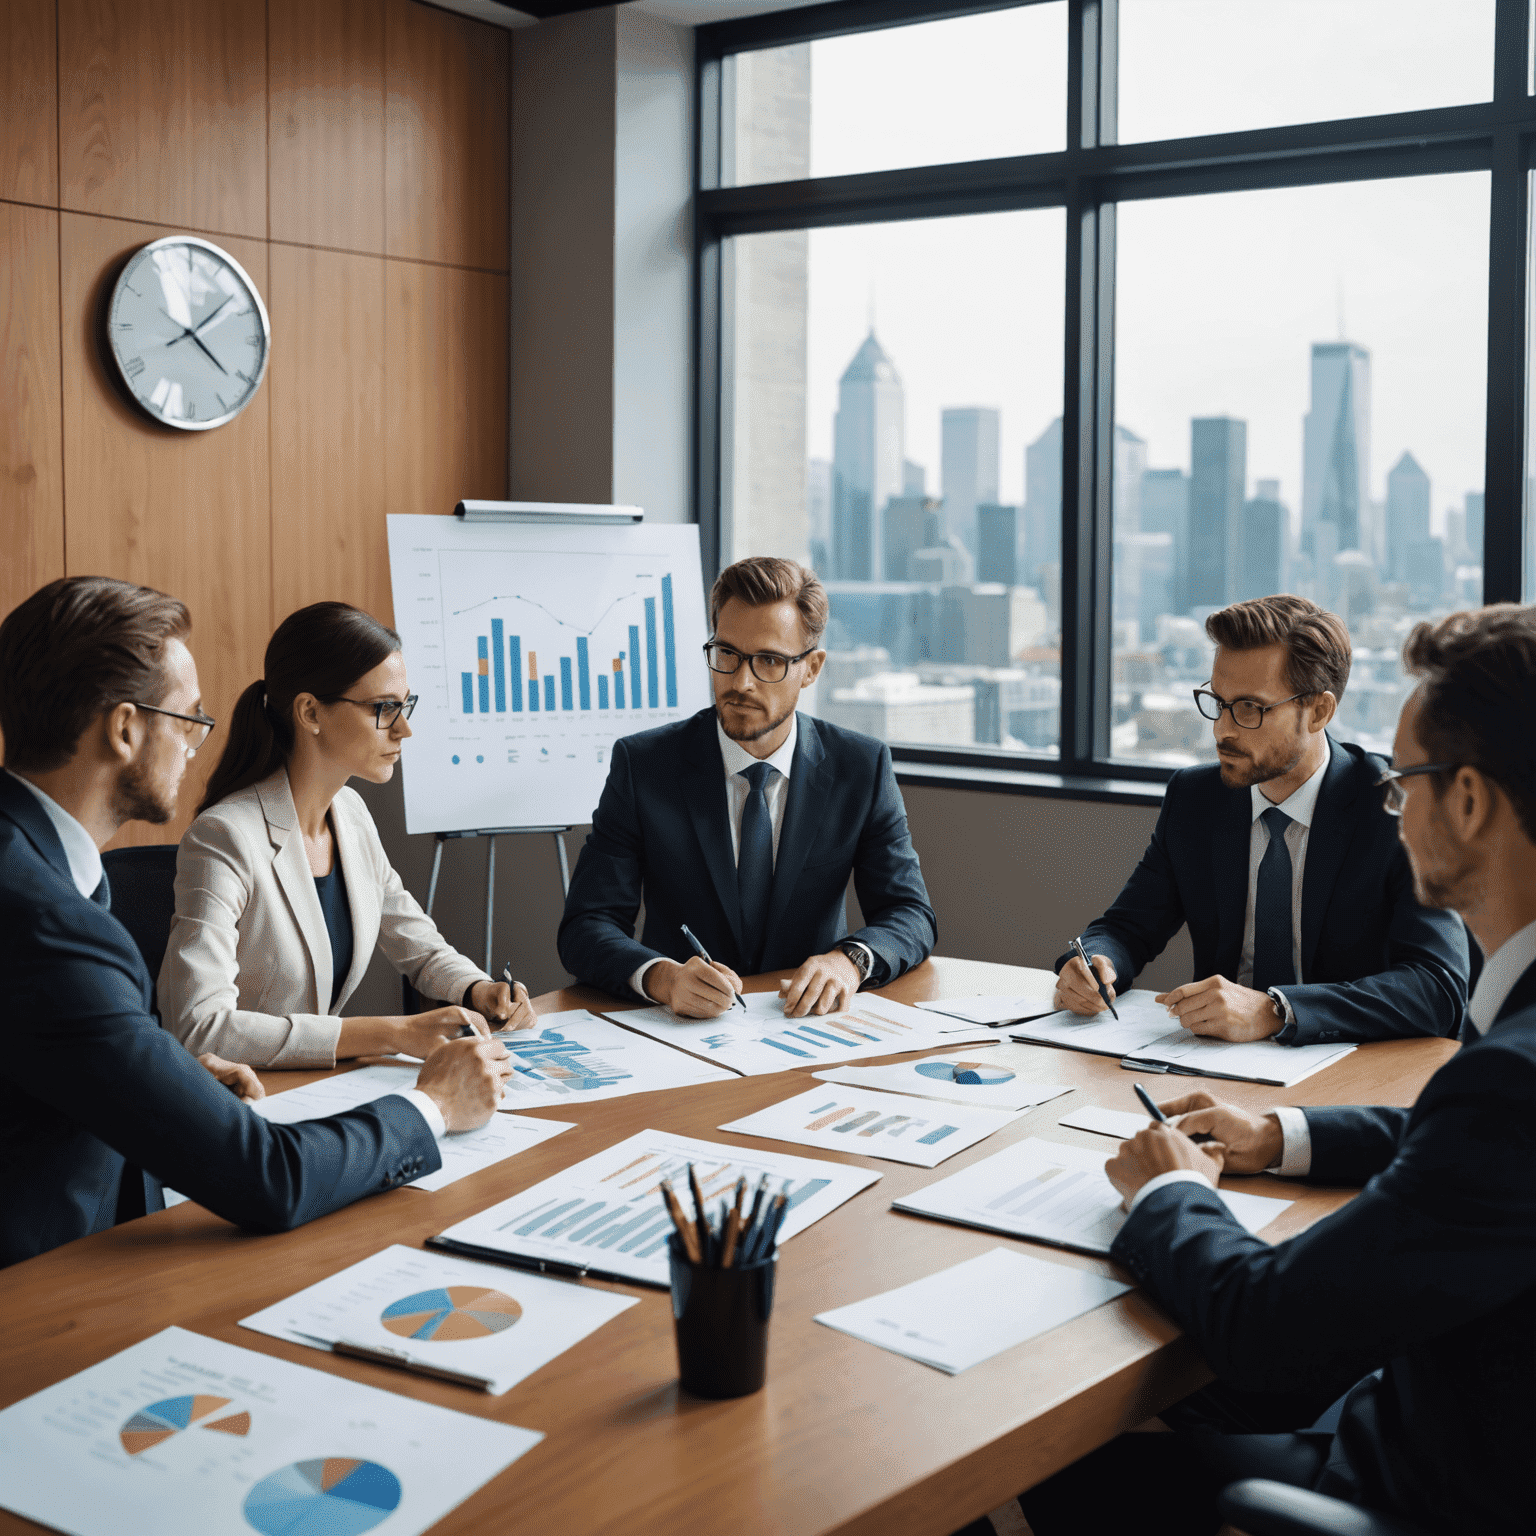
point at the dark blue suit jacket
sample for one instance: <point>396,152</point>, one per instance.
<point>1428,1276</point>
<point>660,835</point>
<point>1375,965</point>
<point>98,1104</point>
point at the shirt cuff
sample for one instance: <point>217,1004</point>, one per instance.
<point>1286,1034</point>
<point>1296,1151</point>
<point>1163,1180</point>
<point>426,1105</point>
<point>637,981</point>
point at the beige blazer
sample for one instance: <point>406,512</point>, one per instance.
<point>247,972</point>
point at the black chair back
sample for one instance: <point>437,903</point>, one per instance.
<point>143,882</point>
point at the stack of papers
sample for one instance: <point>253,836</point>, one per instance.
<point>998,1009</point>
<point>995,1078</point>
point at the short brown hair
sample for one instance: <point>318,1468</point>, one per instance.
<point>1477,698</point>
<point>1317,654</point>
<point>73,649</point>
<point>763,579</point>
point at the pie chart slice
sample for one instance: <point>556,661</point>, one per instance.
<point>159,1421</point>
<point>969,1074</point>
<point>330,1496</point>
<point>451,1312</point>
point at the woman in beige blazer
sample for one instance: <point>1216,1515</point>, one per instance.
<point>283,888</point>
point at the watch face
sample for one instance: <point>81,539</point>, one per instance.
<point>189,333</point>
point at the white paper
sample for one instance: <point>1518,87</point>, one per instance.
<point>227,1440</point>
<point>972,1311</point>
<point>1122,1124</point>
<point>1051,1193</point>
<point>606,1214</point>
<point>1148,1032</point>
<point>893,1126</point>
<point>443,1311</point>
<point>761,1040</point>
<point>504,1136</point>
<point>998,1009</point>
<point>995,1078</point>
<point>335,1092</point>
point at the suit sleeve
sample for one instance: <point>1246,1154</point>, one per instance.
<point>1446,1233</point>
<point>596,940</point>
<point>899,922</point>
<point>1353,1143</point>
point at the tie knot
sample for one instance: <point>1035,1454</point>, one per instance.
<point>1276,821</point>
<point>757,775</point>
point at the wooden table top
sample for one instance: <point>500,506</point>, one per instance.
<point>844,1438</point>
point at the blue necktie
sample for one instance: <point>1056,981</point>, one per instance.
<point>1274,964</point>
<point>754,865</point>
<point>102,895</point>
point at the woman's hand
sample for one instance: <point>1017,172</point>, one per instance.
<point>235,1075</point>
<point>419,1034</point>
<point>505,1007</point>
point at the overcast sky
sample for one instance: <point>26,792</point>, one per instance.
<point>1219,297</point>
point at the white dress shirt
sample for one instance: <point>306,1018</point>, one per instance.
<point>79,846</point>
<point>737,760</point>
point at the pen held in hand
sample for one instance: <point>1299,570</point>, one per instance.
<point>1151,1107</point>
<point>703,955</point>
<point>1093,976</point>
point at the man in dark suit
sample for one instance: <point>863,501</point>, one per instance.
<point>100,709</point>
<point>1422,1290</point>
<point>1283,863</point>
<point>743,824</point>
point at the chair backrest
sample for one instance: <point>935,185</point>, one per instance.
<point>143,882</point>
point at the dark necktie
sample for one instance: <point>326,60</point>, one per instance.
<point>754,865</point>
<point>1273,924</point>
<point>102,895</point>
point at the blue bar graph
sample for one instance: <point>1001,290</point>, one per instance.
<point>499,666</point>
<point>533,680</point>
<point>650,656</point>
<point>583,673</point>
<point>668,642</point>
<point>565,683</point>
<point>618,681</point>
<point>634,666</point>
<point>549,693</point>
<point>516,646</point>
<point>485,681</point>
<point>469,692</point>
<point>602,691</point>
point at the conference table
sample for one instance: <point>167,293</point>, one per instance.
<point>845,1437</point>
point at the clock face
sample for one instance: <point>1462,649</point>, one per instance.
<point>189,333</point>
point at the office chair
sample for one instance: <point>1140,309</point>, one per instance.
<point>143,882</point>
<point>1259,1507</point>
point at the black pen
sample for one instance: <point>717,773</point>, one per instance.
<point>703,955</point>
<point>506,975</point>
<point>1151,1107</point>
<point>1082,954</point>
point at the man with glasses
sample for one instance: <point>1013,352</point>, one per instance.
<point>741,826</point>
<point>1283,862</point>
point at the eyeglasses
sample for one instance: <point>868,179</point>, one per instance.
<point>767,666</point>
<point>202,723</point>
<point>1394,794</point>
<point>385,711</point>
<point>1248,713</point>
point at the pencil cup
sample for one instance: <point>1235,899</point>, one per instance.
<point>721,1317</point>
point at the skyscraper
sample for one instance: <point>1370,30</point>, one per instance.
<point>1130,466</point>
<point>868,463</point>
<point>1336,457</point>
<point>1165,509</point>
<point>970,466</point>
<point>997,543</point>
<point>1265,545</point>
<point>1407,513</point>
<point>1218,479</point>
<point>1042,503</point>
<point>1475,526</point>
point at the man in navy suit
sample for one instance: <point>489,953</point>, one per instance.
<point>743,824</point>
<point>1422,1290</point>
<point>1283,863</point>
<point>101,711</point>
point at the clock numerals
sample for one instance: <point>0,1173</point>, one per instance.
<point>133,367</point>
<point>191,410</point>
<point>125,325</point>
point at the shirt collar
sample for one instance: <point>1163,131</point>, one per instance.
<point>737,759</point>
<point>1302,804</point>
<point>79,846</point>
<point>1503,968</point>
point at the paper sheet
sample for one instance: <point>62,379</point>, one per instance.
<point>1122,1124</point>
<point>181,1435</point>
<point>467,1152</point>
<point>998,1077</point>
<point>1051,1193</point>
<point>998,1009</point>
<point>439,1310</point>
<point>972,1311</point>
<point>606,1214</point>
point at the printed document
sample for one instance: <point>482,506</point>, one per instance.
<point>998,1077</point>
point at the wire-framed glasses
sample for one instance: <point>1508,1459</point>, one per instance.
<point>385,711</point>
<point>1248,713</point>
<point>200,723</point>
<point>767,666</point>
<point>1394,793</point>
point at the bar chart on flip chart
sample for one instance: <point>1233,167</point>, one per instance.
<point>532,649</point>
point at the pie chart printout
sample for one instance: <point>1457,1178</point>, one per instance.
<point>451,1312</point>
<point>971,1074</point>
<point>149,1426</point>
<point>332,1496</point>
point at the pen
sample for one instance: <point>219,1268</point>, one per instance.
<point>405,1362</point>
<point>1151,1108</point>
<point>506,975</point>
<point>685,1228</point>
<point>703,955</point>
<point>1082,954</point>
<point>700,1215</point>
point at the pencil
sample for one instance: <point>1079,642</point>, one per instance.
<point>684,1227</point>
<point>733,1226</point>
<point>701,1217</point>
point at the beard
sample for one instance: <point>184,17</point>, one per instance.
<point>748,733</point>
<point>1245,772</point>
<point>136,798</point>
<point>1449,884</point>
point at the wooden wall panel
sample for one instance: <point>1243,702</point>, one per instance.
<point>327,122</point>
<point>447,149</point>
<point>187,512</point>
<point>31,449</point>
<point>29,141</point>
<point>162,112</point>
<point>327,385</point>
<point>446,405</point>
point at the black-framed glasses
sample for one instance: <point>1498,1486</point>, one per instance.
<point>385,711</point>
<point>1248,713</point>
<point>204,723</point>
<point>767,666</point>
<point>1394,793</point>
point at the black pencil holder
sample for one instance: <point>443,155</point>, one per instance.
<point>721,1318</point>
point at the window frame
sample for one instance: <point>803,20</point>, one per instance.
<point>1089,179</point>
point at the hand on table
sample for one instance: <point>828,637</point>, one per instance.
<point>1253,1142</point>
<point>464,1078</point>
<point>419,1034</point>
<point>701,989</point>
<point>1075,989</point>
<point>235,1075</point>
<point>1161,1149</point>
<point>1223,1010</point>
<point>503,1006</point>
<point>824,984</point>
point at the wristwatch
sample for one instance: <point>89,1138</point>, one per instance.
<point>862,956</point>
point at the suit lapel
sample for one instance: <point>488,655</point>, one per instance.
<point>1230,843</point>
<point>703,785</point>
<point>810,787</point>
<point>362,898</point>
<point>1522,996</point>
<point>1333,829</point>
<point>291,866</point>
<point>20,804</point>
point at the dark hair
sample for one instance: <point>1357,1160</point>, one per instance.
<point>1317,653</point>
<point>763,579</point>
<point>1477,700</point>
<point>323,650</point>
<point>75,648</point>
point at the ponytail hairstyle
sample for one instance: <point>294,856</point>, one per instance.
<point>323,649</point>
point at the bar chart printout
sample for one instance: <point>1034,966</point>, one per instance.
<point>606,1215</point>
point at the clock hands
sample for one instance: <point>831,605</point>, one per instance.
<point>187,331</point>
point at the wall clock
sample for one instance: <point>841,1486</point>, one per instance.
<point>188,333</point>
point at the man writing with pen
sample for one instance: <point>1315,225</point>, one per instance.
<point>738,831</point>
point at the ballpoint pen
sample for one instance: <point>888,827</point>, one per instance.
<point>703,955</point>
<point>1082,954</point>
<point>1150,1105</point>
